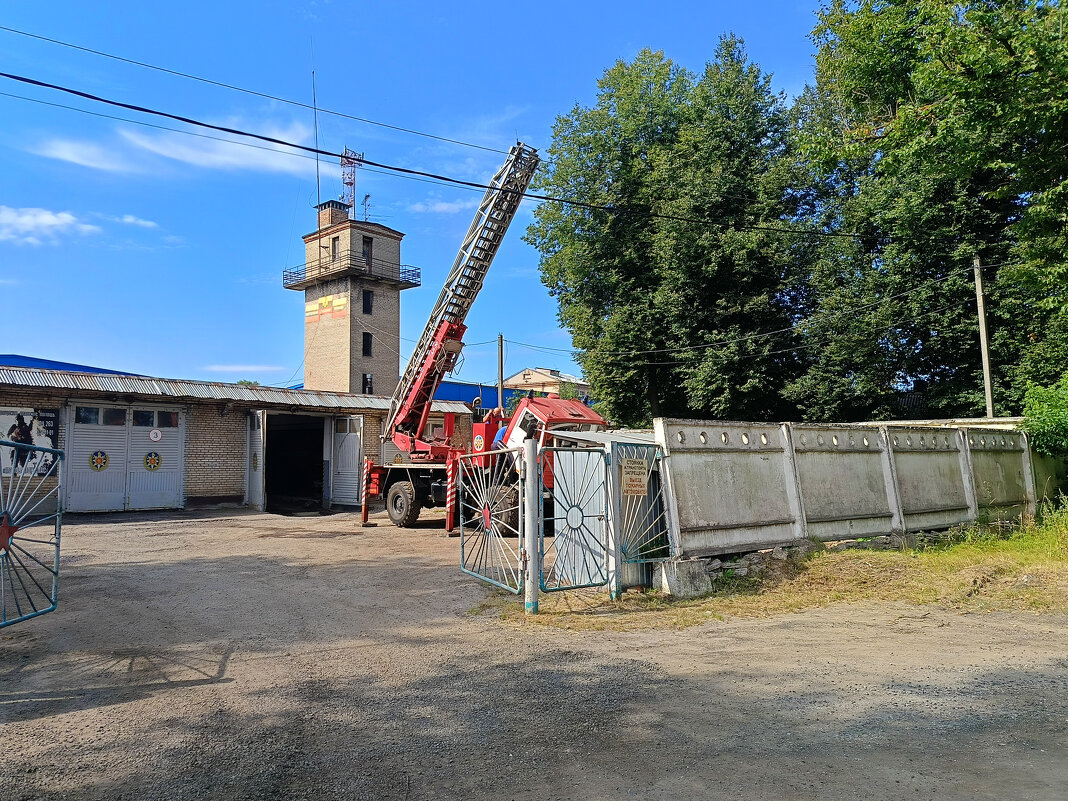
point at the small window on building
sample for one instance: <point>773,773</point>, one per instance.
<point>367,251</point>
<point>335,248</point>
<point>341,425</point>
<point>368,301</point>
<point>87,415</point>
<point>368,386</point>
<point>144,418</point>
<point>114,417</point>
<point>366,343</point>
<point>166,419</point>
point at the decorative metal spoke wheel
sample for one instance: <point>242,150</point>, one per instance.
<point>491,518</point>
<point>576,554</point>
<point>30,518</point>
<point>643,528</point>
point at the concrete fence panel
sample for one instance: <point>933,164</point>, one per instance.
<point>846,484</point>
<point>932,477</point>
<point>746,486</point>
<point>733,485</point>
<point>1004,483</point>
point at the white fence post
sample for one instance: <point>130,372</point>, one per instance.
<point>531,526</point>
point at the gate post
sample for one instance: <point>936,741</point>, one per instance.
<point>531,526</point>
<point>450,494</point>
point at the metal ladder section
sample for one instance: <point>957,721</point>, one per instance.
<point>468,272</point>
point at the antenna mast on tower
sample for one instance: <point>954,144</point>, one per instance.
<point>350,160</point>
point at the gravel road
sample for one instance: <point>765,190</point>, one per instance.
<point>242,656</point>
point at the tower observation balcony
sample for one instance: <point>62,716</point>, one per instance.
<point>354,265</point>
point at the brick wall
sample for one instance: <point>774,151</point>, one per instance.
<point>372,432</point>
<point>215,453</point>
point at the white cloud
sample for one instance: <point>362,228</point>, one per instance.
<point>86,154</point>
<point>31,226</point>
<point>9,282</point>
<point>243,368</point>
<point>444,206</point>
<point>134,151</point>
<point>229,155</point>
<point>129,219</point>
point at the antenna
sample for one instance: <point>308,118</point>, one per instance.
<point>350,160</point>
<point>315,112</point>
<point>366,207</point>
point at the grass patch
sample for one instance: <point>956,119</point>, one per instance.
<point>975,569</point>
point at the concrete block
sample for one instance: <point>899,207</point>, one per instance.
<point>685,578</point>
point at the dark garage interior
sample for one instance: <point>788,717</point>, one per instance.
<point>293,463</point>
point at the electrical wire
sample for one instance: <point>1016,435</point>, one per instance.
<point>747,337</point>
<point>805,346</point>
<point>617,210</point>
<point>244,90</point>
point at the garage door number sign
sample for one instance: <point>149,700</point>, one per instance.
<point>155,435</point>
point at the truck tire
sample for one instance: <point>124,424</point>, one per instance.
<point>401,506</point>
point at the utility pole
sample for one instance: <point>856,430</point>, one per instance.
<point>500,371</point>
<point>983,343</point>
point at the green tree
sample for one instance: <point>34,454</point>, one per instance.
<point>711,156</point>
<point>1046,417</point>
<point>938,131</point>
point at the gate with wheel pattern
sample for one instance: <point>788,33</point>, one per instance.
<point>574,520</point>
<point>491,518</point>
<point>30,514</point>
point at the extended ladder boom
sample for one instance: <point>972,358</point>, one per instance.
<point>442,339</point>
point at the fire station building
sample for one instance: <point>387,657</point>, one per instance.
<point>136,442</point>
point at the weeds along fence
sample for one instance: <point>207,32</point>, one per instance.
<point>747,486</point>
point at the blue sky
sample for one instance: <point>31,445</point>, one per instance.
<point>161,253</point>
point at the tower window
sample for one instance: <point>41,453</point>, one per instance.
<point>368,388</point>
<point>368,301</point>
<point>335,248</point>
<point>367,250</point>
<point>366,343</point>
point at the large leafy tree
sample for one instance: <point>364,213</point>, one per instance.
<point>937,131</point>
<point>663,272</point>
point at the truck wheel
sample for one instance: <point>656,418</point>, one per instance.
<point>401,505</point>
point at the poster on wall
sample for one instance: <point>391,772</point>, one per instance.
<point>29,427</point>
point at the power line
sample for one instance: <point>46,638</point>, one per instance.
<point>252,92</point>
<point>818,343</point>
<point>420,173</point>
<point>213,138</point>
<point>761,335</point>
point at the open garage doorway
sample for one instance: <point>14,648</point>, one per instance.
<point>293,463</point>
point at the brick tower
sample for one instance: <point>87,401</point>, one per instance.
<point>352,278</point>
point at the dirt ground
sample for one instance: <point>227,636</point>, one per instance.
<point>244,655</point>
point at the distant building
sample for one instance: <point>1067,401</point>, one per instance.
<point>352,278</point>
<point>545,379</point>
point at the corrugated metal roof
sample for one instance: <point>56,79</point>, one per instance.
<point>181,389</point>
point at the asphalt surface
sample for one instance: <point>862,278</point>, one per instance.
<point>242,656</point>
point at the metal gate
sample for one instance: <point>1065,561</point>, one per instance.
<point>490,510</point>
<point>642,527</point>
<point>30,514</point>
<point>573,537</point>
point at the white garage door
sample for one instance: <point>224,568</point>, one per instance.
<point>155,452</point>
<point>124,458</point>
<point>348,460</point>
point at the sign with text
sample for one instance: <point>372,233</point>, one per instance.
<point>29,427</point>
<point>633,477</point>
